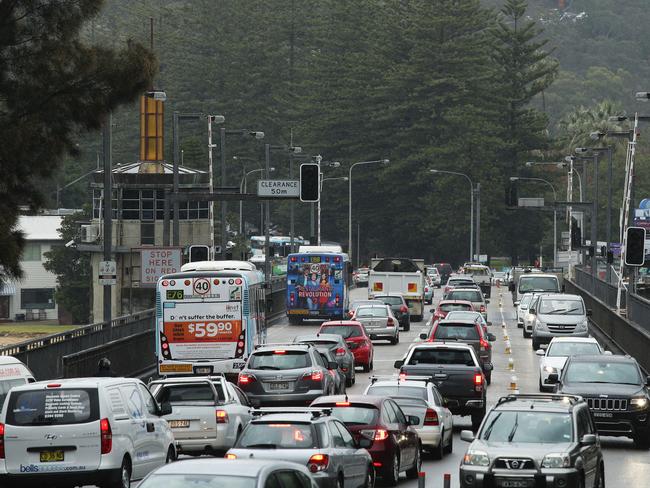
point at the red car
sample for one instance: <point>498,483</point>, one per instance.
<point>396,445</point>
<point>355,337</point>
<point>446,306</point>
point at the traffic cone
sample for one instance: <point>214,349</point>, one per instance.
<point>511,364</point>
<point>508,348</point>
<point>513,383</point>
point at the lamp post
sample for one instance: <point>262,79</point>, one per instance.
<point>329,164</point>
<point>542,180</point>
<point>471,206</point>
<point>242,189</point>
<point>377,161</point>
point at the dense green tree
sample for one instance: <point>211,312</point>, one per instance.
<point>51,86</point>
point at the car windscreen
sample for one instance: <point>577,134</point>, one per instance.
<point>345,331</point>
<point>449,307</point>
<point>397,390</point>
<point>60,406</point>
<point>198,481</point>
<point>274,435</point>
<point>538,283</point>
<point>525,300</point>
<point>527,426</point>
<point>391,300</point>
<point>477,271</point>
<point>279,359</point>
<point>469,295</point>
<point>572,349</point>
<point>6,385</point>
<point>365,312</point>
<point>182,394</point>
<point>356,414</point>
<point>441,356</point>
<point>457,331</point>
<point>464,315</point>
<point>357,304</point>
<point>330,343</point>
<point>555,306</point>
<point>603,372</point>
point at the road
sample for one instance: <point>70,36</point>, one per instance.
<point>624,465</point>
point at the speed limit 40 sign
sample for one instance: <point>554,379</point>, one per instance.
<point>201,286</point>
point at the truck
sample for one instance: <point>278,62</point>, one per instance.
<point>527,280</point>
<point>404,276</point>
<point>456,371</point>
<point>481,275</point>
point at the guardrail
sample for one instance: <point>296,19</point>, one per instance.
<point>605,292</point>
<point>638,310</point>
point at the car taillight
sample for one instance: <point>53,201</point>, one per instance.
<point>390,323</point>
<point>403,309</point>
<point>485,345</point>
<point>431,417</point>
<point>318,462</point>
<point>292,297</point>
<point>2,441</point>
<point>106,436</point>
<point>377,435</point>
<point>478,382</point>
<point>340,351</point>
<point>313,376</point>
<point>245,379</point>
<point>222,416</point>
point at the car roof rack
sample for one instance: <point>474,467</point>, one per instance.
<point>314,411</point>
<point>398,378</point>
<point>276,344</point>
<point>572,399</point>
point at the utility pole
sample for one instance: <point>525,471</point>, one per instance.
<point>267,218</point>
<point>108,210</point>
<point>319,158</point>
<point>594,222</point>
<point>608,229</point>
<point>224,204</point>
<point>176,155</point>
<point>291,206</point>
<point>211,173</point>
<point>478,222</point>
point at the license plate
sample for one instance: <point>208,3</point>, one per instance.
<point>203,370</point>
<point>513,483</point>
<point>606,415</point>
<point>179,424</point>
<point>279,386</point>
<point>52,456</point>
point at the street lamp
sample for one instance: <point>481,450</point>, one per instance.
<point>520,178</point>
<point>242,189</point>
<point>558,164</point>
<point>471,209</point>
<point>384,162</point>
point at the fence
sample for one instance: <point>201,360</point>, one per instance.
<point>638,310</point>
<point>605,292</point>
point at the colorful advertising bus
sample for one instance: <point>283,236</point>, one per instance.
<point>317,285</point>
<point>209,317</point>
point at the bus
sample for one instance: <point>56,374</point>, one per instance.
<point>318,282</point>
<point>279,245</point>
<point>209,317</point>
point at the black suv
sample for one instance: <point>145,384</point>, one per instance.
<point>400,309</point>
<point>616,391</point>
<point>534,441</point>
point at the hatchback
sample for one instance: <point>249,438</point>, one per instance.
<point>355,336</point>
<point>479,302</point>
<point>446,306</point>
<point>396,446</point>
<point>400,309</point>
<point>335,343</point>
<point>379,322</point>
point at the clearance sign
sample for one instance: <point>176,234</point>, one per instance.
<point>205,330</point>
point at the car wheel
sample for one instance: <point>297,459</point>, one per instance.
<point>124,480</point>
<point>171,455</point>
<point>450,445</point>
<point>527,335</point>
<point>349,381</point>
<point>366,368</point>
<point>371,366</point>
<point>339,481</point>
<point>391,477</point>
<point>370,477</point>
<point>414,472</point>
<point>488,377</point>
<point>395,340</point>
<point>535,345</point>
<point>407,326</point>
<point>439,451</point>
<point>600,482</point>
<point>642,441</point>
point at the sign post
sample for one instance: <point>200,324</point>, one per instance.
<point>107,273</point>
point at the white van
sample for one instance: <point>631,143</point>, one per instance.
<point>12,373</point>
<point>82,431</point>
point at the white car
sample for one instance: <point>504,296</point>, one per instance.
<point>435,277</point>
<point>208,413</point>
<point>529,318</point>
<point>559,349</point>
<point>12,373</point>
<point>83,431</point>
<point>418,396</point>
<point>522,308</point>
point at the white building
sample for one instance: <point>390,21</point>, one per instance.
<point>32,298</point>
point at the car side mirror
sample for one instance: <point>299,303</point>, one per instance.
<point>607,353</point>
<point>487,300</point>
<point>467,435</point>
<point>165,409</point>
<point>532,311</point>
<point>332,365</point>
<point>588,439</point>
<point>516,303</point>
<point>491,337</point>
<point>647,380</point>
<point>364,442</point>
<point>413,420</point>
<point>424,336</point>
<point>553,379</point>
<point>398,364</point>
<point>540,352</point>
<point>589,312</point>
<point>488,367</point>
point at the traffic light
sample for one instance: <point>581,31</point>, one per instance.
<point>591,251</point>
<point>603,251</point>
<point>199,253</point>
<point>635,246</point>
<point>576,236</point>
<point>610,257</point>
<point>309,182</point>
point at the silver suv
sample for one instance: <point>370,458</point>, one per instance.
<point>534,440</point>
<point>558,315</point>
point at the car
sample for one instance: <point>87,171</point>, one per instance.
<point>420,397</point>
<point>559,349</point>
<point>12,373</point>
<point>529,318</point>
<point>361,277</point>
<point>284,374</point>
<point>396,446</point>
<point>498,278</point>
<point>446,306</point>
<point>335,343</point>
<point>208,413</point>
<point>458,280</point>
<point>400,309</point>
<point>314,438</point>
<point>357,303</point>
<point>337,374</point>
<point>479,302</point>
<point>522,309</point>
<point>534,440</point>
<point>445,270</point>
<point>559,315</point>
<point>469,315</point>
<point>242,473</point>
<point>428,293</point>
<point>379,322</point>
<point>468,332</point>
<point>434,275</point>
<point>355,336</point>
<point>616,391</point>
<point>82,431</point>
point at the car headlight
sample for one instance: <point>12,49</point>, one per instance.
<point>476,458</point>
<point>639,402</point>
<point>550,369</point>
<point>540,325</point>
<point>583,324</point>
<point>556,460</point>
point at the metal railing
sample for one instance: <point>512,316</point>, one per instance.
<point>638,310</point>
<point>603,291</point>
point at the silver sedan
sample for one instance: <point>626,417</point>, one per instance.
<point>379,321</point>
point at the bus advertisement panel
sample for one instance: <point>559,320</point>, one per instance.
<point>317,286</point>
